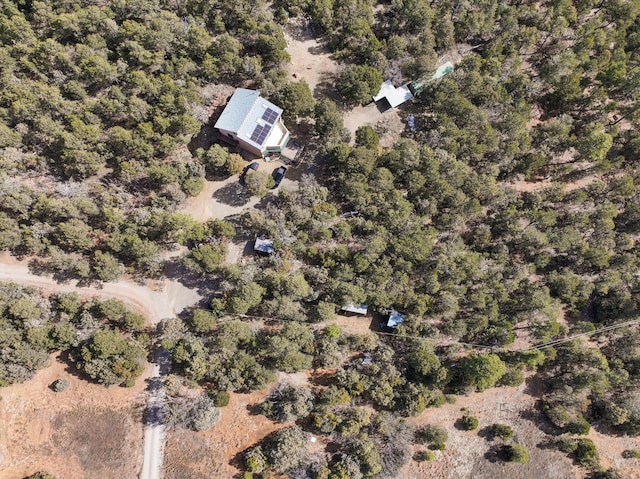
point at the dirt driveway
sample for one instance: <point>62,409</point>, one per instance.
<point>221,199</point>
<point>155,305</point>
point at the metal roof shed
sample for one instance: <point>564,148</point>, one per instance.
<point>356,309</point>
<point>395,318</point>
<point>264,245</point>
<point>395,96</point>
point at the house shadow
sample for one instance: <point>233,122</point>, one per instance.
<point>383,105</point>
<point>232,194</point>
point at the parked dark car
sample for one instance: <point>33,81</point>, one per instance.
<point>250,167</point>
<point>279,174</point>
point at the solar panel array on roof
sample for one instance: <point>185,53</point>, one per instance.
<point>269,116</point>
<point>260,133</point>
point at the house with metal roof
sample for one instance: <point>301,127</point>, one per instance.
<point>254,123</point>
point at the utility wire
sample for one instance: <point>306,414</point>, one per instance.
<point>611,327</point>
<point>380,333</point>
<point>535,347</point>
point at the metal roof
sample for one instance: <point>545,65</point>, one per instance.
<point>395,96</point>
<point>250,116</point>
<point>264,245</point>
<point>353,308</point>
<point>395,319</point>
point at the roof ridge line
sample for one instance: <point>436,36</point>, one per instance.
<point>250,109</point>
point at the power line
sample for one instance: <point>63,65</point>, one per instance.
<point>380,333</point>
<point>611,327</point>
<point>535,347</point>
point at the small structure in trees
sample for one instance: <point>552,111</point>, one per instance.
<point>395,319</point>
<point>392,95</point>
<point>254,123</point>
<point>264,245</point>
<point>356,309</point>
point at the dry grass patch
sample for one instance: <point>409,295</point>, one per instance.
<point>102,441</point>
<point>216,453</point>
<point>86,432</point>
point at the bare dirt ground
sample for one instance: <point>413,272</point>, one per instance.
<point>388,124</point>
<point>215,453</point>
<point>353,324</point>
<point>611,450</point>
<point>310,61</point>
<point>86,432</point>
<point>533,186</point>
<point>221,199</point>
<point>468,454</point>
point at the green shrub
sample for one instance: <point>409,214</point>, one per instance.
<point>502,431</point>
<point>513,377</point>
<point>579,426</point>
<point>516,453</point>
<point>468,422</point>
<point>586,454</point>
<point>220,398</point>
<point>583,450</point>
<point>424,456</point>
<point>435,436</point>
<point>255,460</point>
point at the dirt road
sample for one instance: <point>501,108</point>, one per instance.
<point>155,306</point>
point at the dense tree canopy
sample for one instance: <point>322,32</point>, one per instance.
<point>506,216</point>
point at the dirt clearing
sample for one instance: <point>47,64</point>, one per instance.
<point>214,453</point>
<point>361,325</point>
<point>86,432</point>
<point>310,61</point>
<point>468,454</point>
<point>221,199</point>
<point>387,124</point>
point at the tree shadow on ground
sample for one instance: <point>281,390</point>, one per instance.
<point>233,194</point>
<point>540,420</point>
<point>326,88</point>
<point>41,267</point>
<point>204,284</point>
<point>254,409</point>
<point>492,455</point>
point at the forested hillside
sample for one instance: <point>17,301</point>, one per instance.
<point>507,218</point>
